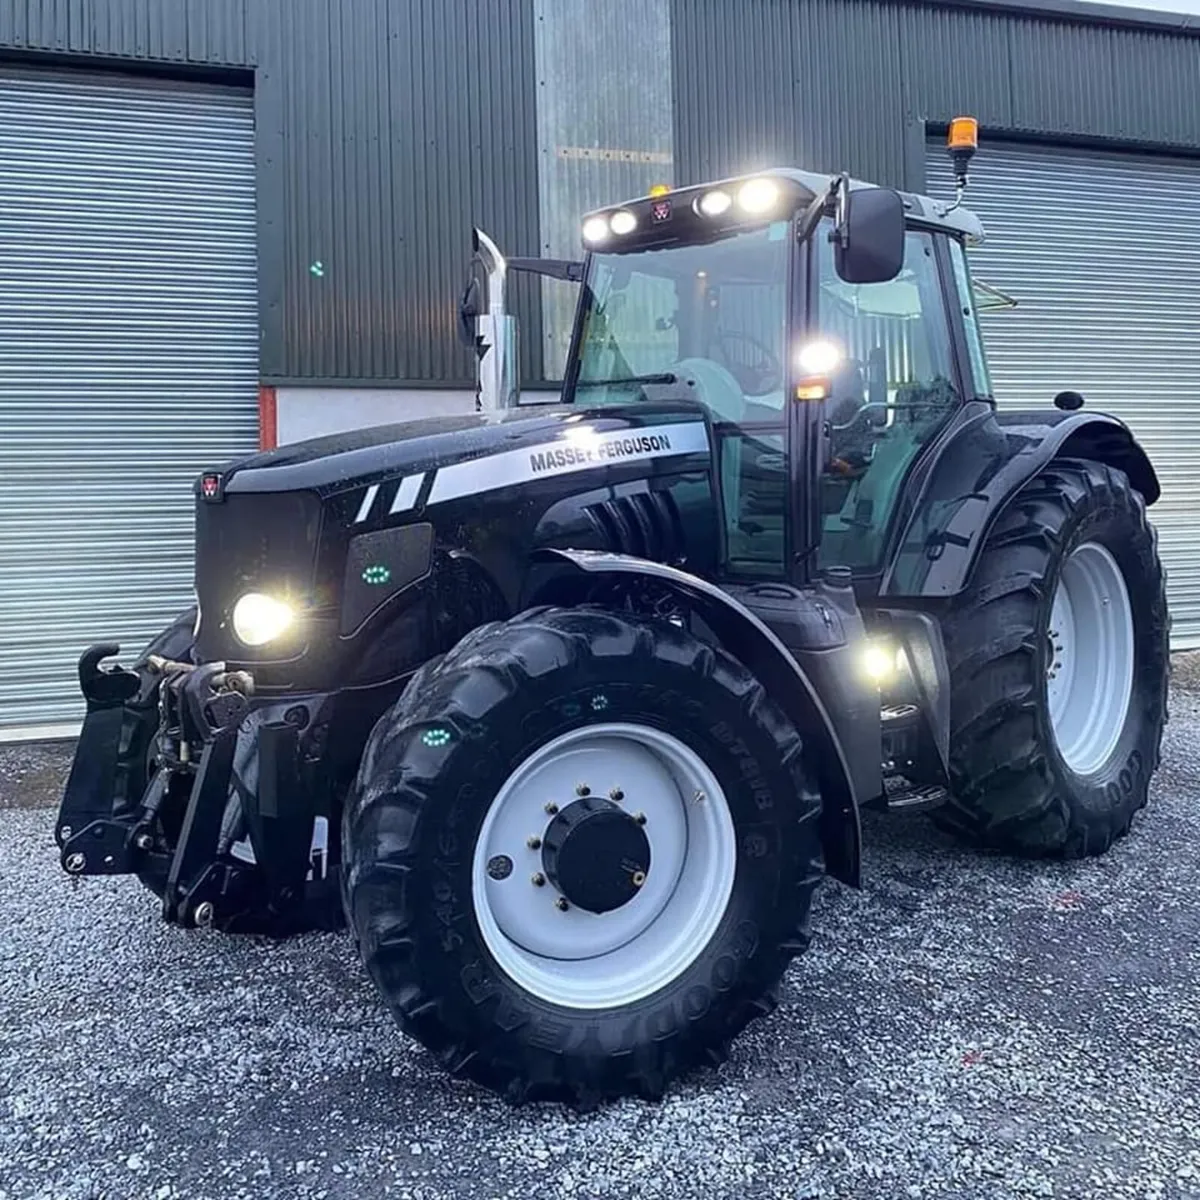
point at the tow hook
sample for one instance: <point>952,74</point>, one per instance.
<point>105,687</point>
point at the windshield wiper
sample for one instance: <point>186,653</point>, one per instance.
<point>628,380</point>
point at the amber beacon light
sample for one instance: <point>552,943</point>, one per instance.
<point>962,141</point>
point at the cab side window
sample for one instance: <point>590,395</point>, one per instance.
<point>894,390</point>
<point>966,299</point>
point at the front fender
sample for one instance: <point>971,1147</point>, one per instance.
<point>762,653</point>
<point>978,470</point>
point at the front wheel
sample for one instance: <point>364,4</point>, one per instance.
<point>1059,658</point>
<point>579,855</point>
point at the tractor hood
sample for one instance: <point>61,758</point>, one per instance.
<point>528,441</point>
<point>343,529</point>
<point>329,463</point>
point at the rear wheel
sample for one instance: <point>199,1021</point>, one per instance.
<point>1059,658</point>
<point>579,855</point>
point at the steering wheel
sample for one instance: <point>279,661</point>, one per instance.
<point>756,376</point>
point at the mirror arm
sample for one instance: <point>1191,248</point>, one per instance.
<point>553,268</point>
<point>841,230</point>
<point>816,209</point>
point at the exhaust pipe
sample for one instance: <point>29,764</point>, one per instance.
<point>495,329</point>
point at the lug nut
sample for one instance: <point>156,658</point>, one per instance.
<point>639,877</point>
<point>582,789</point>
<point>203,915</point>
<point>561,904</point>
<point>538,879</point>
<point>617,795</point>
<point>75,863</point>
<point>551,807</point>
<point>640,818</point>
<point>534,843</point>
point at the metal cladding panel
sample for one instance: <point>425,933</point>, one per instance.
<point>956,61</point>
<point>1156,88</point>
<point>788,82</point>
<point>202,31</point>
<point>734,87</point>
<point>405,124</point>
<point>128,360</point>
<point>1064,76</point>
<point>851,84</point>
<point>1102,254</point>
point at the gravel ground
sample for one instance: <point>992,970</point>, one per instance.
<point>967,1026</point>
<point>33,776</point>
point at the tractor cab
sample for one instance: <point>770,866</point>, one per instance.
<point>820,324</point>
<point>827,330</point>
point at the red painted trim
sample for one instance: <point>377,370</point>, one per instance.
<point>268,419</point>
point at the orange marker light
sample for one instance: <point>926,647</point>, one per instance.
<point>659,189</point>
<point>964,134</point>
<point>815,390</point>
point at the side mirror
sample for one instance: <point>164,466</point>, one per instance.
<point>869,241</point>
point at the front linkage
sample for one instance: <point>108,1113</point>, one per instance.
<point>176,765</point>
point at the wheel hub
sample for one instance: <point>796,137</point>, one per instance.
<point>596,855</point>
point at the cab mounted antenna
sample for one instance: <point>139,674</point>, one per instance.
<point>962,141</point>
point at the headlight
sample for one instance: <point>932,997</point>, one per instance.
<point>882,661</point>
<point>819,358</point>
<point>595,230</point>
<point>259,619</point>
<point>758,196</point>
<point>622,223</point>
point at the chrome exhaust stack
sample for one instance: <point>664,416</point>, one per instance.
<point>492,330</point>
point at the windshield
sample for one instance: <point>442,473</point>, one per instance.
<point>713,314</point>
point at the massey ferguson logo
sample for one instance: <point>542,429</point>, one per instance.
<point>581,454</point>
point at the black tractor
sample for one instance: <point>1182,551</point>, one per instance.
<point>569,709</point>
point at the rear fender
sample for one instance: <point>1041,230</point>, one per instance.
<point>762,653</point>
<point>974,475</point>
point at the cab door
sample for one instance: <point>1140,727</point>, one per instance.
<point>896,385</point>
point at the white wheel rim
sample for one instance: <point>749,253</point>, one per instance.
<point>1089,676</point>
<point>580,959</point>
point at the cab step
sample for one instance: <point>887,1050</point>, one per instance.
<point>916,799</point>
<point>898,716</point>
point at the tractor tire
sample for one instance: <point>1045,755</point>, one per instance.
<point>320,908</point>
<point>1059,663</point>
<point>496,877</point>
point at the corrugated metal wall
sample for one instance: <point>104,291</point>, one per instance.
<point>404,123</point>
<point>384,130</point>
<point>1102,254</point>
<point>850,84</point>
<point>128,360</point>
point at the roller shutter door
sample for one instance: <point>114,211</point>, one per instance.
<point>128,362</point>
<point>1102,253</point>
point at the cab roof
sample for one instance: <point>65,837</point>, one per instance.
<point>926,208</point>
